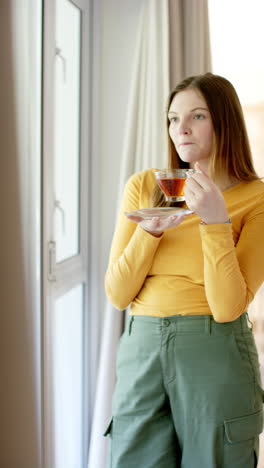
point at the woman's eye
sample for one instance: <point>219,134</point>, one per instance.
<point>173,119</point>
<point>199,116</point>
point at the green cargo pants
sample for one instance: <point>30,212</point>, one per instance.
<point>188,394</point>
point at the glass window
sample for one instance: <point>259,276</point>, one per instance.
<point>67,369</point>
<point>67,129</point>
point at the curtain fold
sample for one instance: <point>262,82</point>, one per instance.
<point>21,265</point>
<point>144,140</point>
<point>172,42</point>
<point>196,54</point>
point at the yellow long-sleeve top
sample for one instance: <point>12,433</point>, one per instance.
<point>192,268</point>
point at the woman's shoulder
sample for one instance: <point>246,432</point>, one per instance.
<point>258,184</point>
<point>140,185</point>
<point>249,189</point>
<point>145,178</point>
<point>250,196</point>
<point>254,188</point>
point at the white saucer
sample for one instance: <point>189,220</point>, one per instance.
<point>161,212</point>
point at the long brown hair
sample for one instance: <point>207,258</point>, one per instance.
<point>231,150</point>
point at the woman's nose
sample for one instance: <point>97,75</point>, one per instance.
<point>184,128</point>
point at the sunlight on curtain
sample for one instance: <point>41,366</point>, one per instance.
<point>236,40</point>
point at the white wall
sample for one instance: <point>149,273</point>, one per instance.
<point>20,329</point>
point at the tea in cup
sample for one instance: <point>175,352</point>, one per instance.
<point>171,182</point>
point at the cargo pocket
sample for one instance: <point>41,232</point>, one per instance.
<point>241,440</point>
<point>108,429</point>
<point>244,428</point>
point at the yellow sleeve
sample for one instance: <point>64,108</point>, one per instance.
<point>132,251</point>
<point>232,275</point>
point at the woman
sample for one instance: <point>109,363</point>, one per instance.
<point>188,390</point>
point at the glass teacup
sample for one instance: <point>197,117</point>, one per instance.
<point>172,181</point>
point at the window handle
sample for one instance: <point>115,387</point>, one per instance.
<point>63,59</point>
<point>57,205</point>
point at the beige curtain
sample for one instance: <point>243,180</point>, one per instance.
<point>20,266</point>
<point>172,42</point>
<point>190,52</point>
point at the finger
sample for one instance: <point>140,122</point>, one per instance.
<point>136,219</point>
<point>190,199</point>
<point>161,224</point>
<point>205,183</point>
<point>192,188</point>
<point>199,168</point>
<point>175,220</point>
<point>153,224</point>
<point>193,184</point>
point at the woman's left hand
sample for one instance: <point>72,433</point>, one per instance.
<point>204,198</point>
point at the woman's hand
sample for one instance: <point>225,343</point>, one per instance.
<point>157,225</point>
<point>204,198</point>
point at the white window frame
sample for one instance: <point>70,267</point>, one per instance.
<point>82,268</point>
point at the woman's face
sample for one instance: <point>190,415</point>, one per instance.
<point>191,128</point>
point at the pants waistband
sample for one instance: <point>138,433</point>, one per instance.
<point>194,323</point>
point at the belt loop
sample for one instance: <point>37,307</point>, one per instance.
<point>208,325</point>
<point>130,324</point>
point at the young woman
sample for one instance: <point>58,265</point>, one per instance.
<point>188,391</point>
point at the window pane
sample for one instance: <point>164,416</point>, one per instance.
<point>233,44</point>
<point>254,116</point>
<point>67,129</point>
<point>68,378</point>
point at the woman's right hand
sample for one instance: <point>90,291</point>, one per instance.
<point>157,225</point>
